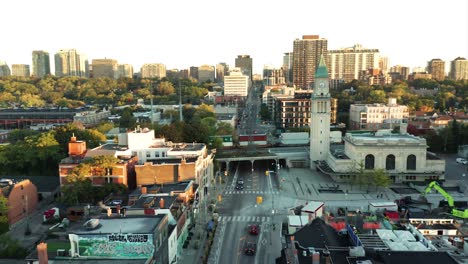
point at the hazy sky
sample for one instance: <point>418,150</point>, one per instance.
<point>188,33</point>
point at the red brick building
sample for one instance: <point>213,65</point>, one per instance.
<point>22,198</point>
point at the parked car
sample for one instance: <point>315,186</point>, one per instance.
<point>461,161</point>
<point>240,181</point>
<point>250,248</point>
<point>254,229</point>
<point>240,187</point>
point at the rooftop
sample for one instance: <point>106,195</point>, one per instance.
<point>126,225</point>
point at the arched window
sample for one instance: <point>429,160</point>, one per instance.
<point>390,162</point>
<point>369,162</point>
<point>411,162</point>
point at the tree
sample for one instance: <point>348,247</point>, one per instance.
<point>165,88</point>
<point>3,214</point>
<point>264,112</point>
<point>127,120</point>
<point>381,178</point>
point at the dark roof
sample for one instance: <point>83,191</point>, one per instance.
<point>43,183</point>
<point>318,234</point>
<point>430,257</point>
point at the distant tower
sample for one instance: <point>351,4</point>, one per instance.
<point>320,115</point>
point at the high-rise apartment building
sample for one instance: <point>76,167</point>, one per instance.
<point>194,72</point>
<point>206,73</point>
<point>306,58</point>
<point>244,62</point>
<point>459,69</point>
<point>288,67</point>
<point>236,83</point>
<point>383,64</point>
<point>436,67</point>
<point>104,68</point>
<point>4,69</point>
<point>20,70</point>
<point>40,63</point>
<point>222,70</point>
<point>69,62</point>
<point>346,64</point>
<point>399,72</point>
<point>153,70</point>
<point>124,70</point>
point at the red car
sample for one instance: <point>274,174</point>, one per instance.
<point>253,229</point>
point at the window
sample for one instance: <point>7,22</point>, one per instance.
<point>411,162</point>
<point>148,154</point>
<point>156,154</point>
<point>369,162</point>
<point>390,162</point>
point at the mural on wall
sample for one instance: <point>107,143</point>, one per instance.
<point>117,245</point>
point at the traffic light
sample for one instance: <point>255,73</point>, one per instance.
<point>259,199</point>
<point>220,198</point>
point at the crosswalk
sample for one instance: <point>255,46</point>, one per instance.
<point>244,218</point>
<point>251,192</point>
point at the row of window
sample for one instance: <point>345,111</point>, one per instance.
<point>390,162</point>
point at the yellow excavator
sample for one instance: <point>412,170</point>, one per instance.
<point>454,211</point>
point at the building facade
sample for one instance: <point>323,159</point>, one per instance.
<point>4,69</point>
<point>22,198</point>
<point>206,73</point>
<point>236,83</point>
<point>125,71</point>
<point>320,114</point>
<point>399,72</point>
<point>222,70</point>
<point>346,64</point>
<point>153,70</point>
<point>273,76</point>
<point>459,69</point>
<point>306,57</point>
<point>40,63</point>
<point>104,68</point>
<point>288,67</point>
<point>244,62</point>
<point>20,70</point>
<point>377,116</point>
<point>70,62</point>
<point>436,67</point>
<point>193,71</point>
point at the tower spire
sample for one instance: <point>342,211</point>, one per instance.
<point>322,71</point>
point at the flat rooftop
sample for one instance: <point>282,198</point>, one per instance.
<point>383,138</point>
<point>188,147</point>
<point>126,225</point>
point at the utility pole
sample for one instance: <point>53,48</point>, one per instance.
<point>181,118</point>
<point>152,111</point>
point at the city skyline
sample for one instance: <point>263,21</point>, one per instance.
<point>206,32</point>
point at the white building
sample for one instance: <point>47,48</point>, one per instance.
<point>346,64</point>
<point>377,116</point>
<point>403,156</point>
<point>70,62</point>
<point>236,83</point>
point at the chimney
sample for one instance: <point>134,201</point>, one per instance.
<point>144,190</point>
<point>42,253</point>
<point>73,138</point>
<point>161,203</point>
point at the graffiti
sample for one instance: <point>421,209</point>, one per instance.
<point>121,249</point>
<point>128,238</point>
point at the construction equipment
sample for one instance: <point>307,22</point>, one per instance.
<point>454,211</point>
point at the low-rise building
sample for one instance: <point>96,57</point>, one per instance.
<point>22,198</point>
<point>377,116</point>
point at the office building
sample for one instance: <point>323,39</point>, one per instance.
<point>4,69</point>
<point>153,70</point>
<point>104,68</point>
<point>20,70</point>
<point>377,116</point>
<point>244,62</point>
<point>206,73</point>
<point>222,70</point>
<point>125,71</point>
<point>236,83</point>
<point>288,67</point>
<point>346,64</point>
<point>383,64</point>
<point>459,69</point>
<point>436,67</point>
<point>40,63</point>
<point>306,57</point>
<point>273,76</point>
<point>69,62</point>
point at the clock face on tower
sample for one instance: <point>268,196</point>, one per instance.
<point>322,84</point>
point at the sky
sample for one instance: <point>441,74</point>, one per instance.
<point>184,33</point>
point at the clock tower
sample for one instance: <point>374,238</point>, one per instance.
<point>320,115</point>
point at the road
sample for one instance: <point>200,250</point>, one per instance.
<point>239,209</point>
<point>454,170</point>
